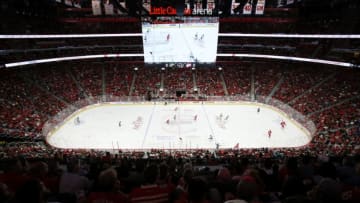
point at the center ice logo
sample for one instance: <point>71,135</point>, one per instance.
<point>180,121</point>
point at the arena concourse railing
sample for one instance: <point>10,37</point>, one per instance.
<point>305,122</point>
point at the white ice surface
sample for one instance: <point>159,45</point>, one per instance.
<point>144,126</point>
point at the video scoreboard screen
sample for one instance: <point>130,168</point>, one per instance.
<point>180,39</point>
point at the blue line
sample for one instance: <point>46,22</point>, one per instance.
<point>147,127</point>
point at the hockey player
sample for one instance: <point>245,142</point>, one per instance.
<point>168,37</point>
<point>168,121</point>
<point>211,137</point>
<point>196,36</point>
<point>258,109</point>
<point>202,37</point>
<point>77,120</point>
<point>119,123</point>
<point>195,118</point>
<point>227,117</point>
<point>269,133</point>
<point>283,124</point>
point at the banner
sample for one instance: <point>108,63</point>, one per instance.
<point>210,4</point>
<point>96,7</point>
<point>109,9</point>
<point>234,7</point>
<point>260,6</point>
<point>146,5</point>
<point>247,8</point>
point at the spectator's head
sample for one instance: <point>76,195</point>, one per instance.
<point>151,174</point>
<point>327,191</point>
<point>31,191</point>
<point>348,161</point>
<point>292,164</point>
<point>327,170</point>
<point>39,170</point>
<point>247,189</point>
<point>73,166</point>
<point>268,163</point>
<point>292,187</point>
<point>188,175</point>
<point>139,165</point>
<point>163,171</point>
<point>197,190</point>
<point>108,180</point>
<point>224,175</point>
<point>357,168</point>
<point>4,193</point>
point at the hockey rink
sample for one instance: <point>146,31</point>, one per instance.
<point>188,125</point>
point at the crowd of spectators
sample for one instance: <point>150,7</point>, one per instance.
<point>119,78</point>
<point>297,81</point>
<point>148,81</point>
<point>237,79</point>
<point>339,87</point>
<point>341,116</point>
<point>90,78</point>
<point>266,79</point>
<point>262,176</point>
<point>209,82</point>
<point>178,79</point>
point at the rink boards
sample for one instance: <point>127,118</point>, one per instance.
<point>189,125</point>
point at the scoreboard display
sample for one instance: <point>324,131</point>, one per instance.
<point>180,39</point>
